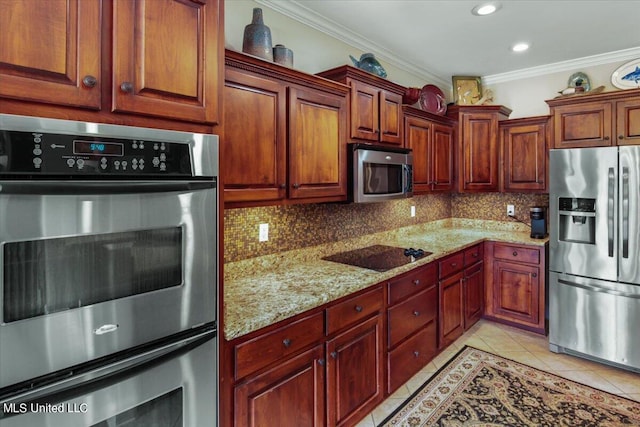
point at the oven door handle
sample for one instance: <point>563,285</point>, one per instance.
<point>37,187</point>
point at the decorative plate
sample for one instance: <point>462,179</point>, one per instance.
<point>627,76</point>
<point>432,100</point>
<point>579,79</point>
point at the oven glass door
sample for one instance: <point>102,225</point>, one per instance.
<point>87,275</point>
<point>178,390</point>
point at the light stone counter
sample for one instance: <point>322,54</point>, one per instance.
<point>262,291</point>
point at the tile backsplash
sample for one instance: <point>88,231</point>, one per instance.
<point>299,226</point>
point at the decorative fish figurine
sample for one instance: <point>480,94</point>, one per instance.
<point>370,64</point>
<point>633,76</point>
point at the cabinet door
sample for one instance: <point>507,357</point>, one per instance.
<point>364,111</point>
<point>167,59</point>
<point>516,290</point>
<point>419,134</point>
<point>582,125</point>
<point>479,152</point>
<point>317,145</point>
<point>50,51</point>
<point>390,118</point>
<point>354,372</point>
<point>254,135</point>
<point>291,394</point>
<point>473,294</point>
<point>442,158</point>
<point>628,122</point>
<point>524,150</point>
<point>451,309</point>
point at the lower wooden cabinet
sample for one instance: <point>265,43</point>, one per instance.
<point>517,292</point>
<point>292,392</point>
<point>451,309</point>
<point>473,292</point>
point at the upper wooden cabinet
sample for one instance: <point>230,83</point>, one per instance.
<point>284,134</point>
<point>155,58</point>
<point>431,139</point>
<point>376,105</point>
<point>524,154</point>
<point>478,148</point>
<point>609,118</point>
<point>165,58</point>
<point>50,51</point>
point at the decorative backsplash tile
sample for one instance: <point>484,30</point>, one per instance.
<point>299,226</point>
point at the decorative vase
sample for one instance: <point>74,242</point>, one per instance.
<point>283,55</point>
<point>257,37</point>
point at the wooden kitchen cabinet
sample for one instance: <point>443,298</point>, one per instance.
<point>516,294</point>
<point>58,53</point>
<point>294,148</point>
<point>524,154</point>
<point>431,139</point>
<point>478,146</point>
<point>604,119</point>
<point>473,285</point>
<point>376,105</point>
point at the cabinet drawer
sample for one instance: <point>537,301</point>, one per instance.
<point>517,253</point>
<point>354,309</point>
<point>413,283</point>
<point>451,264</point>
<point>411,356</point>
<point>407,317</point>
<point>473,255</point>
<point>268,348</point>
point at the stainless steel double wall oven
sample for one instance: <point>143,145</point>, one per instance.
<point>108,275</point>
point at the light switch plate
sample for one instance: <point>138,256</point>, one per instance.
<point>511,210</point>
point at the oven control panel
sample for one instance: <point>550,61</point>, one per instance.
<point>45,153</point>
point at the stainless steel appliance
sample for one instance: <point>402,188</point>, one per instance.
<point>538,217</point>
<point>108,252</point>
<point>378,257</point>
<point>594,301</point>
<point>378,173</point>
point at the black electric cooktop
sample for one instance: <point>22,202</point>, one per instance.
<point>378,257</point>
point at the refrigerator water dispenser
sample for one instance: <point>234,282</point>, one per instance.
<point>577,220</point>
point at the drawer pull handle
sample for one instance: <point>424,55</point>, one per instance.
<point>359,308</point>
<point>286,342</point>
<point>416,282</point>
<point>416,313</point>
<point>334,354</point>
<point>454,264</point>
<point>515,253</point>
<point>416,353</point>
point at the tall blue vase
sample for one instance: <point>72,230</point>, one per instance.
<point>257,37</point>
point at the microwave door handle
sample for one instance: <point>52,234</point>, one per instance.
<point>408,185</point>
<point>611,209</point>
<point>625,212</point>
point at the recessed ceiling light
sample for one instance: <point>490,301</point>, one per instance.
<point>485,9</point>
<point>520,47</point>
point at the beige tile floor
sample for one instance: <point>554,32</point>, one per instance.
<point>522,346</point>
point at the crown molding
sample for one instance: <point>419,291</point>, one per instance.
<point>296,11</point>
<point>573,64</point>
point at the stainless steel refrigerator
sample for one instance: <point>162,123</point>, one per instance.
<point>594,269</point>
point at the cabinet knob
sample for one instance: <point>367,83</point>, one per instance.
<point>515,253</point>
<point>334,354</point>
<point>286,342</point>
<point>296,185</point>
<point>606,138</point>
<point>321,362</point>
<point>126,87</point>
<point>416,282</point>
<point>620,137</point>
<point>283,186</point>
<point>358,308</point>
<point>475,254</point>
<point>416,313</point>
<point>416,353</point>
<point>89,81</point>
<point>534,275</point>
<point>454,264</point>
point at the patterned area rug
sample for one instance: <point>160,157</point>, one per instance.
<point>476,388</point>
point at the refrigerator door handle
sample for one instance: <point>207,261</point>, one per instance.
<point>610,209</point>
<point>598,289</point>
<point>625,212</point>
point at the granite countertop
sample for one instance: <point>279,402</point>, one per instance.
<point>261,291</point>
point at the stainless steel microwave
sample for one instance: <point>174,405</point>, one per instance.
<point>378,173</point>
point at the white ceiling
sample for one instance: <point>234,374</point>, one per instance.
<point>438,39</point>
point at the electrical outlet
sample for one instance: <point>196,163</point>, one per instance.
<point>413,211</point>
<point>263,233</point>
<point>511,210</point>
